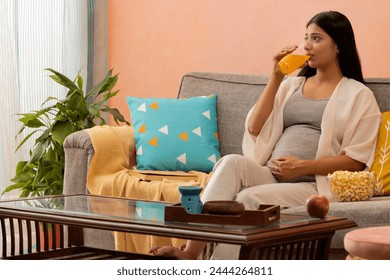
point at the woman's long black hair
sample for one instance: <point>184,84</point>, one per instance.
<point>339,28</point>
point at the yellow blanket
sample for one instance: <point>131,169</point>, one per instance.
<point>108,175</point>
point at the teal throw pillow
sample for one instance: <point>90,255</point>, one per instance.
<point>175,134</point>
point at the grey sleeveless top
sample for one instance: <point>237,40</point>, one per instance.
<point>302,129</point>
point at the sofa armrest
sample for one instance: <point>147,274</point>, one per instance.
<point>78,155</point>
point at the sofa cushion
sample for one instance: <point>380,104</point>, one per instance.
<point>175,134</point>
<point>236,94</point>
<point>380,88</point>
<point>381,165</point>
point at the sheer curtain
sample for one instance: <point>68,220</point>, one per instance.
<point>66,35</point>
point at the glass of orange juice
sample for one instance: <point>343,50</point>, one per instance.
<point>293,61</point>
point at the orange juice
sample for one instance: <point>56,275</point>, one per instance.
<point>292,62</point>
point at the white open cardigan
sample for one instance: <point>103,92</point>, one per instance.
<point>349,126</point>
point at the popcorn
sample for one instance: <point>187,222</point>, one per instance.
<point>352,186</point>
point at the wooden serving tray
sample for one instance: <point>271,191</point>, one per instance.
<point>265,215</point>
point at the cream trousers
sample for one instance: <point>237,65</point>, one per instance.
<point>238,178</point>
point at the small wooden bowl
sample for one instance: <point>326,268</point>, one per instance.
<point>223,207</point>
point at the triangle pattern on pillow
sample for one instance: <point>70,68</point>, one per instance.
<point>198,131</point>
<point>164,129</point>
<point>184,136</point>
<point>182,158</point>
<point>142,108</point>
<point>207,114</point>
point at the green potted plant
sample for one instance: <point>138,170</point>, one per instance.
<point>43,172</point>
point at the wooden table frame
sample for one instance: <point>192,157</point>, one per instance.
<point>304,240</point>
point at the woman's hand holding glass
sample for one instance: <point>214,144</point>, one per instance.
<point>282,53</point>
<point>290,59</point>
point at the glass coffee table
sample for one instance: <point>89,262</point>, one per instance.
<point>55,225</point>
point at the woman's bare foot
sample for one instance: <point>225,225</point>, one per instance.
<point>171,251</point>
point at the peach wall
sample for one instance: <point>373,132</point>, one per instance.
<point>153,43</point>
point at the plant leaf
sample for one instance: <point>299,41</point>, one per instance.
<point>118,117</point>
<point>111,82</point>
<point>25,139</point>
<point>80,81</point>
<point>62,79</point>
<point>50,98</point>
<point>39,150</point>
<point>61,130</point>
<point>44,136</point>
<point>31,120</point>
<point>76,102</point>
<point>96,90</point>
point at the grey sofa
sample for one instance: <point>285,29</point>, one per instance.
<point>236,94</point>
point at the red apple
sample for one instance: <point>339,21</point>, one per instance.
<point>317,206</point>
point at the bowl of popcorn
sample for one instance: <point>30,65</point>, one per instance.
<point>352,186</point>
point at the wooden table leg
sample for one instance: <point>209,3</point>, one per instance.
<point>75,236</point>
